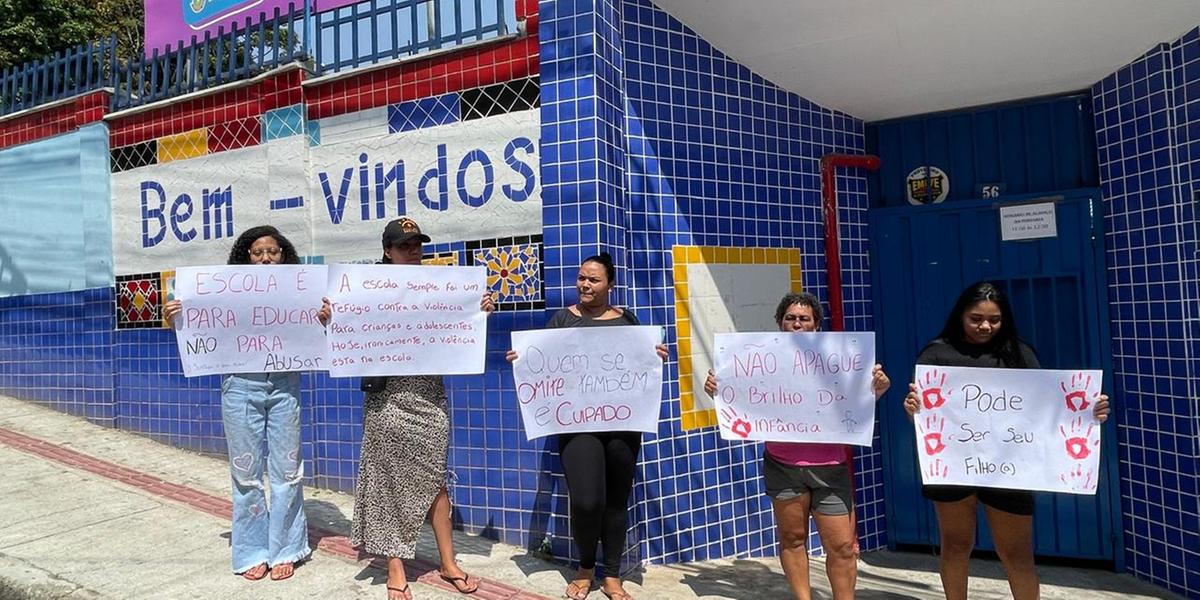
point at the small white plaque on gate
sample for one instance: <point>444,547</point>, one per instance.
<point>1028,222</point>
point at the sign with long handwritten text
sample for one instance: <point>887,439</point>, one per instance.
<point>796,387</point>
<point>1031,429</point>
<point>406,320</point>
<point>250,318</point>
<point>588,379</point>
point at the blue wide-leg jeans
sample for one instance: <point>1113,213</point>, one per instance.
<point>257,407</point>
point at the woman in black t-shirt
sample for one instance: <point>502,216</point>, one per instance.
<point>599,466</point>
<point>980,332</point>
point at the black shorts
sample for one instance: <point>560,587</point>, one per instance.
<point>1017,502</point>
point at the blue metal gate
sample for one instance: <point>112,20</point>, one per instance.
<point>922,257</point>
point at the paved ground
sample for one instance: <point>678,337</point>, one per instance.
<point>88,512</point>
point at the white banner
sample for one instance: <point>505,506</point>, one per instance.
<point>188,212</point>
<point>471,180</point>
<point>250,318</point>
<point>588,379</point>
<point>1028,429</point>
<point>406,320</point>
<point>796,387</point>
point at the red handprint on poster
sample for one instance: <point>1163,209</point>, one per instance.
<point>1076,394</point>
<point>1079,479</point>
<point>933,435</point>
<point>936,470</point>
<point>1077,438</point>
<point>933,389</point>
<point>737,422</point>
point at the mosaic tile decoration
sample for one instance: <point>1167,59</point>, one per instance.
<point>138,301</point>
<point>693,416</point>
<point>133,156</point>
<point>514,270</point>
<point>443,259</point>
<point>182,146</point>
<point>510,96</point>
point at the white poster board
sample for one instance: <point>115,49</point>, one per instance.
<point>796,387</point>
<point>1030,429</point>
<point>250,318</point>
<point>406,320</point>
<point>588,379</point>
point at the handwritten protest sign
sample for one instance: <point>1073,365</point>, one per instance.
<point>1031,429</point>
<point>250,318</point>
<point>588,379</point>
<point>796,387</point>
<point>406,320</point>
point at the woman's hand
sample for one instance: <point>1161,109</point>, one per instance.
<point>171,310</point>
<point>912,403</point>
<point>510,356</point>
<point>879,381</point>
<point>661,349</point>
<point>325,313</point>
<point>1101,409</point>
<point>487,304</point>
<point>710,384</point>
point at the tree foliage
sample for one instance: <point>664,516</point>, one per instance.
<point>32,29</point>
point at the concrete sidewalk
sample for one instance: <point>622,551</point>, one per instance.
<point>89,512</point>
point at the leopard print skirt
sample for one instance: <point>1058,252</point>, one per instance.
<point>406,432</point>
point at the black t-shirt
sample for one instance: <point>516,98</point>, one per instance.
<point>566,318</point>
<point>944,353</point>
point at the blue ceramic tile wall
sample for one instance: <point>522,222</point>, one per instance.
<point>64,341</point>
<point>652,138</point>
<point>1148,141</point>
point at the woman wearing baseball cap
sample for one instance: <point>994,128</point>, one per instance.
<point>402,470</point>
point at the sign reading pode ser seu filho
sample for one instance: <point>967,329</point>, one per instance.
<point>588,379</point>
<point>406,320</point>
<point>1030,429</point>
<point>796,387</point>
<point>250,318</point>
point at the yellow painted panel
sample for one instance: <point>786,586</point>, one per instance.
<point>188,144</point>
<point>694,255</point>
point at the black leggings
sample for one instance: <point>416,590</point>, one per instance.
<point>599,468</point>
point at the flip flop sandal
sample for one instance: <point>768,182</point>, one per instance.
<point>403,590</point>
<point>454,581</point>
<point>576,591</point>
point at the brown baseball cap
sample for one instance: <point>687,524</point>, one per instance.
<point>401,230</point>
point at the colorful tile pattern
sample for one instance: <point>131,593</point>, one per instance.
<point>138,301</point>
<point>514,270</point>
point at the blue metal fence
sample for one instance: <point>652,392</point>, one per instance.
<point>256,46</point>
<point>65,74</point>
<point>377,31</point>
<point>365,33</point>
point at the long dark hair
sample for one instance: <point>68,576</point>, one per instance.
<point>240,253</point>
<point>604,259</point>
<point>1007,343</point>
<point>803,299</point>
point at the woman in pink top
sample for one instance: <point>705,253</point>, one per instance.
<point>804,479</point>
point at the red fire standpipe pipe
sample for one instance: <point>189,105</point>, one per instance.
<point>833,266</point>
<point>833,260</point>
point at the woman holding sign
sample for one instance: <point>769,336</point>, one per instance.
<point>406,437</point>
<point>806,479</point>
<point>599,466</point>
<point>257,407</point>
<point>980,332</point>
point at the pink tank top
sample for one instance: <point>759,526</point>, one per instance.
<point>807,455</point>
